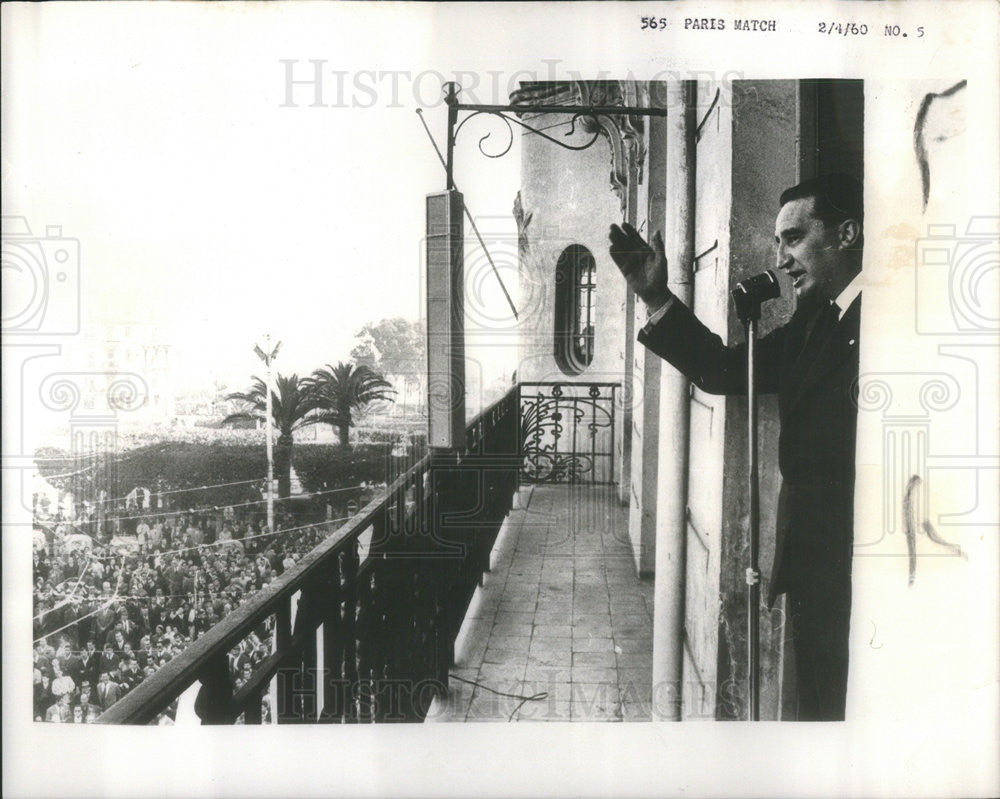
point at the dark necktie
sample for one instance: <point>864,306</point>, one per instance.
<point>818,332</point>
<point>826,323</point>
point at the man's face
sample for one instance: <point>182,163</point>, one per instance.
<point>810,252</point>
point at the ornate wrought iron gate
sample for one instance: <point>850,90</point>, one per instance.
<point>568,432</point>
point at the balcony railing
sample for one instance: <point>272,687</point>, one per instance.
<point>568,432</point>
<point>365,624</point>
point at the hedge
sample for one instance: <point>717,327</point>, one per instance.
<point>224,469</point>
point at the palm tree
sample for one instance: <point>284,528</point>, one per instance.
<point>293,406</point>
<point>345,389</point>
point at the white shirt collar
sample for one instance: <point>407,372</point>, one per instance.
<point>848,295</point>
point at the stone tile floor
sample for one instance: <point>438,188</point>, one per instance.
<point>561,612</point>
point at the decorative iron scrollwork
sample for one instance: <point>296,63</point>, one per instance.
<point>567,436</point>
<point>593,127</point>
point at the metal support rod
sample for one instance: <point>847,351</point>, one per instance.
<point>451,98</point>
<point>753,579</point>
<point>268,355</point>
<point>270,442</point>
<point>587,110</point>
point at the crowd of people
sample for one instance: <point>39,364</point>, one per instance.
<point>108,614</point>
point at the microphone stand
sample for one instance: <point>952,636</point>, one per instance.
<point>753,599</point>
<point>748,302</point>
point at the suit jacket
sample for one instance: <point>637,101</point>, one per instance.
<point>108,693</point>
<point>59,713</point>
<point>132,631</point>
<point>814,372</point>
<point>106,663</point>
<point>90,668</point>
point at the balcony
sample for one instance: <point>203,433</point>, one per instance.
<point>435,593</point>
<point>560,617</point>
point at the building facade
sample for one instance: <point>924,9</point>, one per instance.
<point>707,175</point>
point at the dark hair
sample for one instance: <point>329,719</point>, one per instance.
<point>837,197</point>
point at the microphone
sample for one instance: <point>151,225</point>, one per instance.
<point>761,287</point>
<point>749,294</point>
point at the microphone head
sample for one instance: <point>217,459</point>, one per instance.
<point>750,293</point>
<point>759,288</point>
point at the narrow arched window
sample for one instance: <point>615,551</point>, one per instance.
<point>576,286</point>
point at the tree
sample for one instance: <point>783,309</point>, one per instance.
<point>293,406</point>
<point>392,346</point>
<point>344,390</point>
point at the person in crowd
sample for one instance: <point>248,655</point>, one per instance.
<point>108,691</point>
<point>130,676</point>
<point>108,661</point>
<point>88,699</point>
<point>62,683</point>
<point>142,533</point>
<point>42,692</point>
<point>60,712</point>
<point>72,656</point>
<point>90,663</point>
<point>125,631</point>
<point>104,619</point>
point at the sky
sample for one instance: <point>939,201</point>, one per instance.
<point>208,194</point>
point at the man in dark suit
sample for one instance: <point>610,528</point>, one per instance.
<point>91,660</point>
<point>108,691</point>
<point>811,362</point>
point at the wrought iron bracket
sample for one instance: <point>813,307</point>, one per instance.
<point>587,113</point>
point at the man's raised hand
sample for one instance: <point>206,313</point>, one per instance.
<point>644,267</point>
